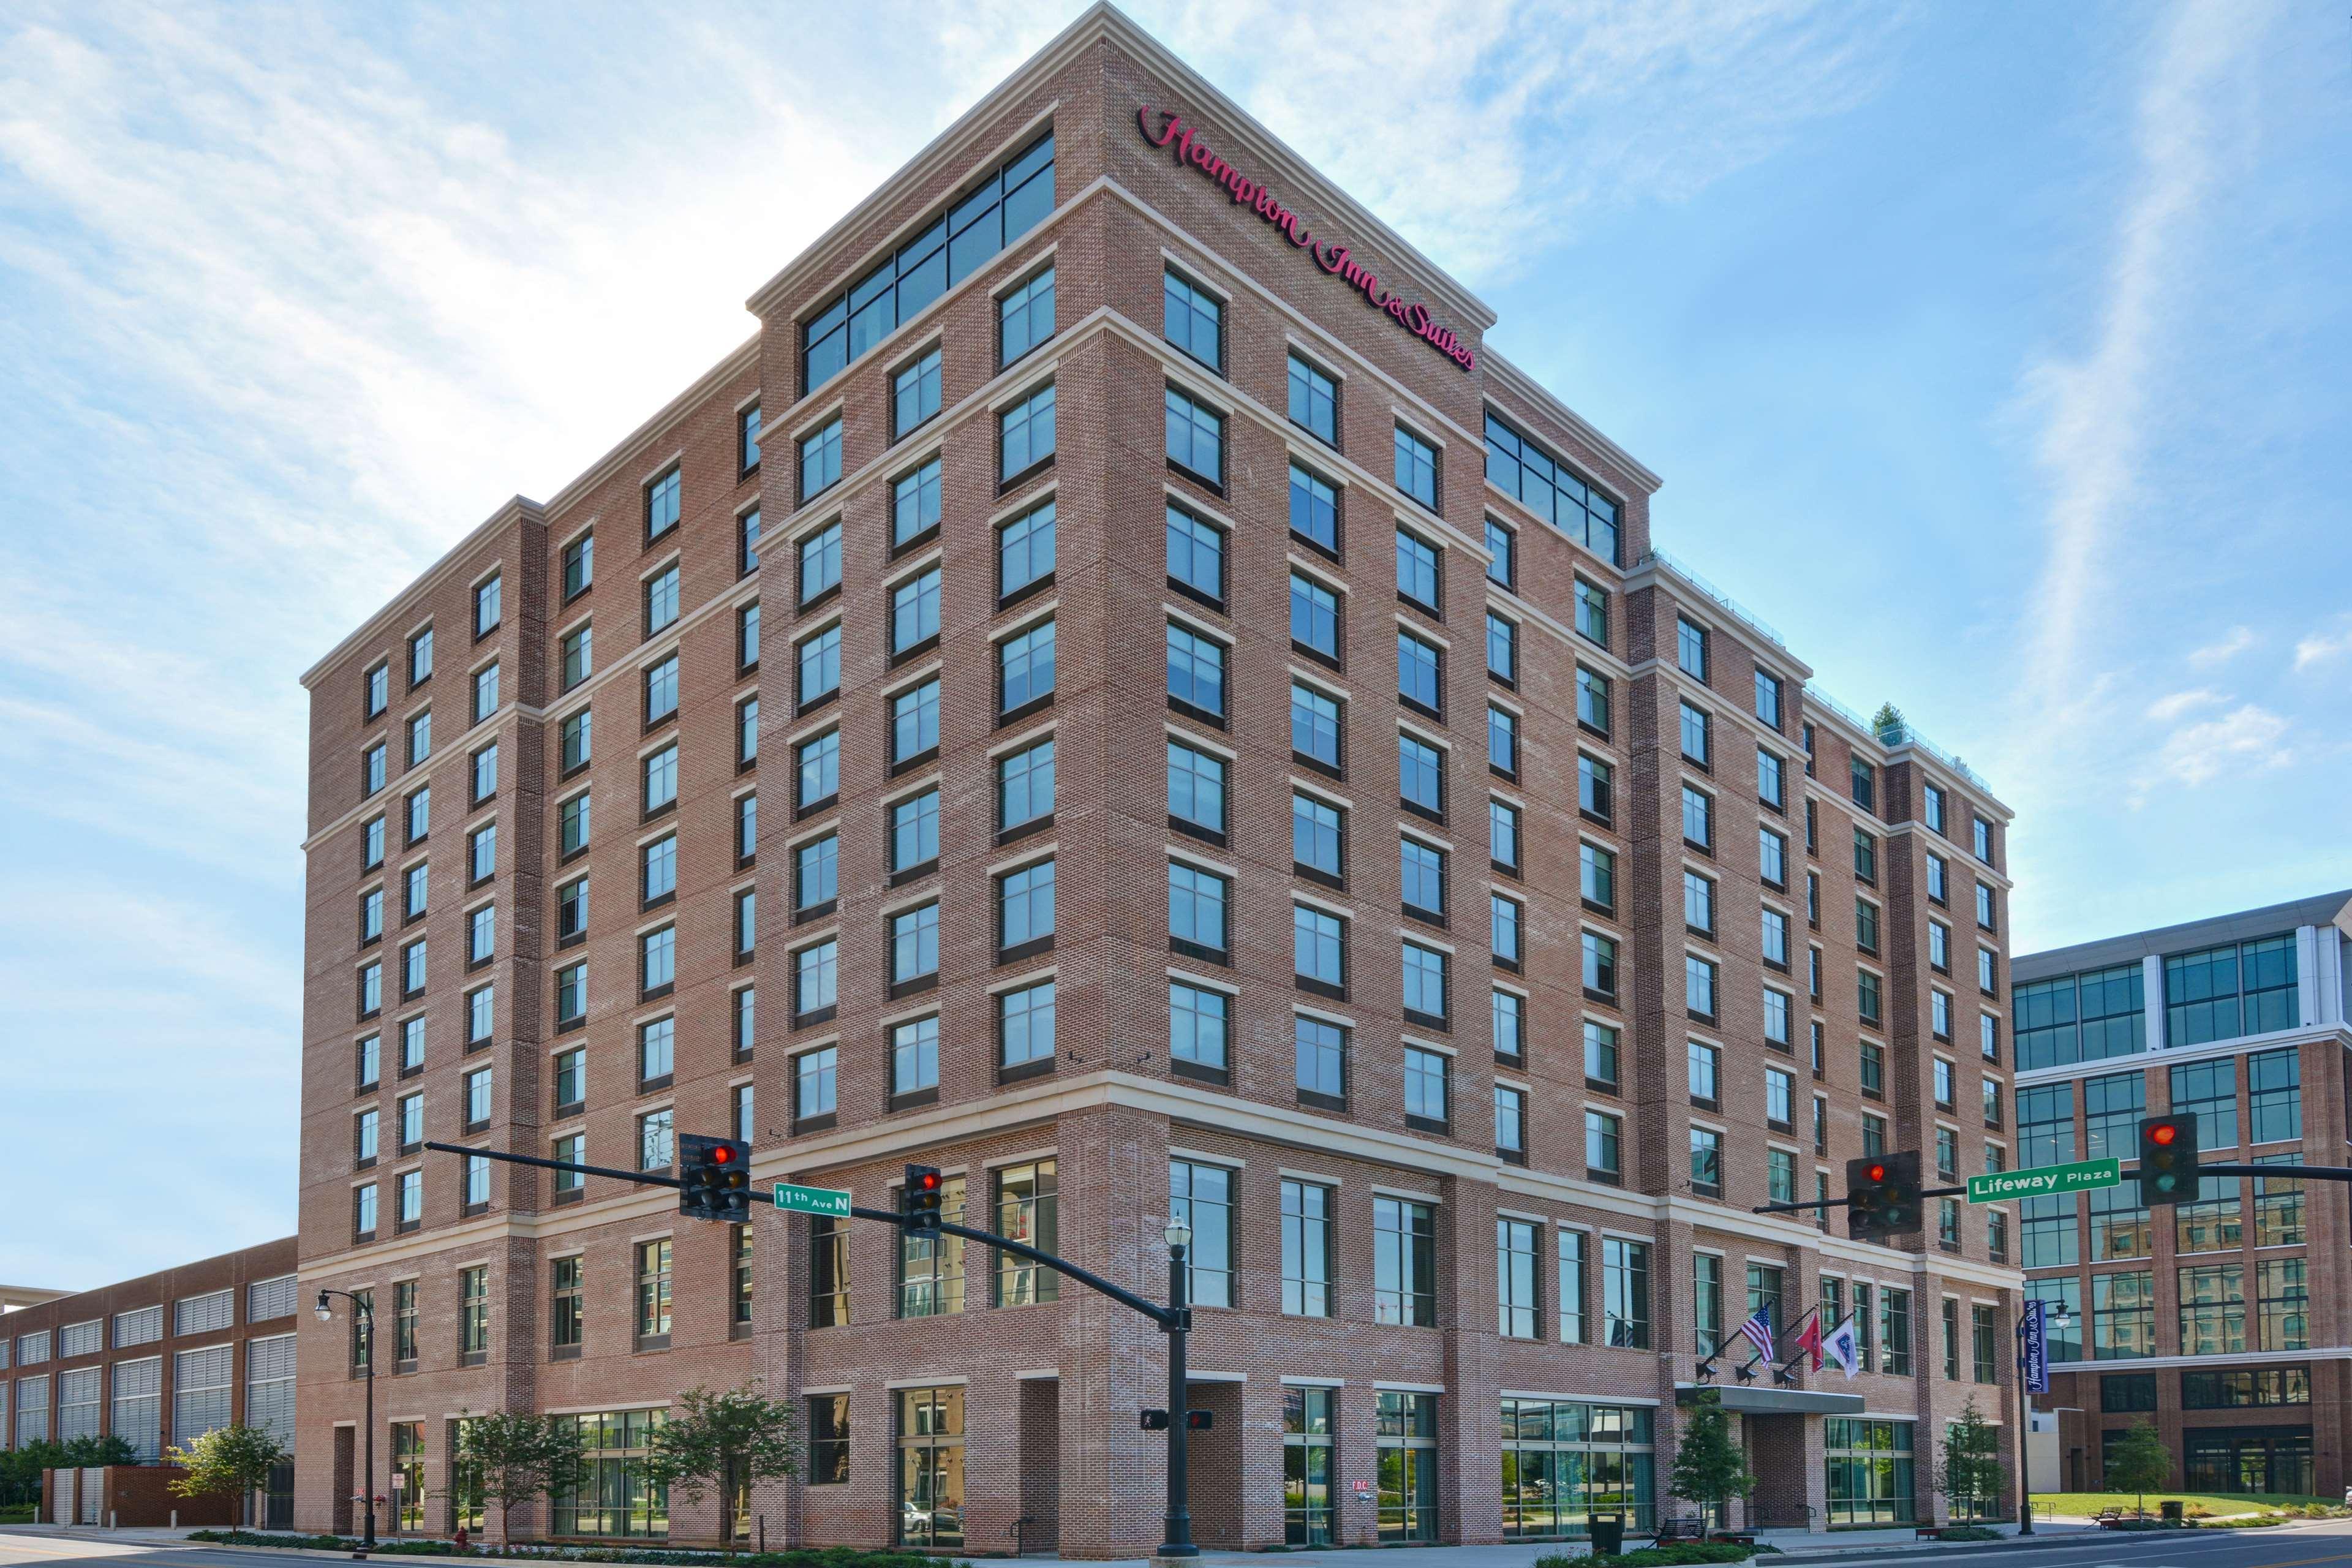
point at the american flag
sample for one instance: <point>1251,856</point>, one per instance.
<point>1759,1330</point>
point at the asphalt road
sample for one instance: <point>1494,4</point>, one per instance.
<point>2302,1546</point>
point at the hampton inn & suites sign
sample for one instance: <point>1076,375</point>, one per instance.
<point>1332,256</point>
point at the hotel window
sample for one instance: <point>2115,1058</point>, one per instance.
<point>1571,1245</point>
<point>1314,729</point>
<point>1768,698</point>
<point>1417,468</point>
<point>1502,649</point>
<point>1939,1015</point>
<point>1194,320</point>
<point>1866,857</point>
<point>1314,619</point>
<point>1981,839</point>
<point>1320,1050</point>
<point>2212,1311</point>
<point>1600,967</point>
<point>1024,436</point>
<point>661,690</point>
<point>372,843</point>
<point>656,1052</point>
<point>1865,925</point>
<point>915,724</point>
<point>1699,983</point>
<point>1936,874</point>
<point>915,945</point>
<point>571,994</point>
<point>746,543</point>
<point>661,506</point>
<point>1420,776</point>
<point>1003,206</point>
<point>1775,938</point>
<point>1426,1085</point>
<point>1873,1057</point>
<point>914,614</point>
<point>567,1185</point>
<point>1027,1209</point>
<point>1503,932</point>
<point>915,1056</point>
<point>815,972</point>
<point>420,737</point>
<point>1025,910</point>
<point>1024,1026</point>
<point>915,507</point>
<point>915,835</point>
<point>420,659</point>
<point>1420,681</point>
<point>820,460</point>
<point>1705,1162</point>
<point>1508,1021</point>
<point>1773,856</point>
<point>1698,904</point>
<point>1516,1262</point>
<point>482,935</point>
<point>1985,922</point>
<point>1866,786</point>
<point>1426,1000</point>
<point>1418,582</point>
<point>2274,1095</point>
<point>1591,701</point>
<point>1504,836</point>
<point>1596,877</point>
<point>1315,403</point>
<point>1025,318</point>
<point>486,773</point>
<point>1601,1055</point>
<point>653,1295</point>
<point>1319,840</point>
<point>1519,467</point>
<point>815,1078</point>
<point>1196,438</point>
<point>1690,650</point>
<point>1404,1262</point>
<point>1932,806</point>
<point>420,814</point>
<point>1202,1196</point>
<point>1603,1148</point>
<point>914,390</point>
<point>486,692</point>
<point>1707,1303</point>
<point>488,600</point>
<point>412,969</point>
<point>1698,819</point>
<point>1305,1249</point>
<point>362,1229</point>
<point>1501,741</point>
<point>1703,1063</point>
<point>1024,670</point>
<point>1196,674</point>
<point>567,1313</point>
<point>1314,510</point>
<point>1985,962</point>
<point>1024,786</point>
<point>1625,1292</point>
<point>2208,1090</point>
<point>2283,1303</point>
<point>575,742</point>
<point>1769,787</point>
<point>1423,868</point>
<point>370,1063</point>
<point>1199,1026</point>
<point>1197,901</point>
<point>1866,996</point>
<point>1196,557</point>
<point>1196,792</point>
<point>1779,1176</point>
<point>658,867</point>
<point>1025,551</point>
<point>378,690</point>
<point>828,1430</point>
<point>820,557</point>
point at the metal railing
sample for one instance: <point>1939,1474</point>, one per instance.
<point>1739,611</point>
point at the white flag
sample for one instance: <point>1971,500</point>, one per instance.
<point>1843,1346</point>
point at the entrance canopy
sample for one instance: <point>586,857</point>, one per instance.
<point>1749,1401</point>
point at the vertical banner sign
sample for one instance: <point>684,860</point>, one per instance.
<point>2035,1356</point>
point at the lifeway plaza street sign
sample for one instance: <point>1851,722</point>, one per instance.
<point>2080,1176</point>
<point>825,1202</point>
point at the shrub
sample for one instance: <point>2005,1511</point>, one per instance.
<point>1677,1555</point>
<point>1968,1533</point>
<point>802,1557</point>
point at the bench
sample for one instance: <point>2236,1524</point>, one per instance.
<point>1932,1531</point>
<point>1681,1529</point>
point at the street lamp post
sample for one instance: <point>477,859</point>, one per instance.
<point>1177,1535</point>
<point>2057,1321</point>
<point>363,1313</point>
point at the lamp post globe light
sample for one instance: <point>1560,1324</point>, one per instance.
<point>363,1314</point>
<point>1176,1543</point>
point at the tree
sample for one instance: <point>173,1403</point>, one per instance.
<point>233,1461</point>
<point>510,1457</point>
<point>1969,1474</point>
<point>1888,717</point>
<point>728,1440</point>
<point>2139,1462</point>
<point>1710,1469</point>
<point>91,1452</point>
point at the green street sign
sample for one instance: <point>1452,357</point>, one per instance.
<point>824,1202</point>
<point>2079,1177</point>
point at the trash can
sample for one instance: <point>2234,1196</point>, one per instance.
<point>1608,1533</point>
<point>2171,1510</point>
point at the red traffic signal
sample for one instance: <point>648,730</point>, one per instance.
<point>723,1155</point>
<point>2167,1160</point>
<point>713,1179</point>
<point>1883,1195</point>
<point>920,1199</point>
<point>2163,1132</point>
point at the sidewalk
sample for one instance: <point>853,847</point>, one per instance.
<point>1794,1544</point>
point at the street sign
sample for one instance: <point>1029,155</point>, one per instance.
<point>825,1202</point>
<point>2080,1176</point>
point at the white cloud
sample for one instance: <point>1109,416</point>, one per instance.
<point>2245,739</point>
<point>2164,709</point>
<point>2237,640</point>
<point>2321,646</point>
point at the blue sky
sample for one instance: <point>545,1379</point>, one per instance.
<point>1994,353</point>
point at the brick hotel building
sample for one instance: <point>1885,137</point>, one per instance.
<point>2226,1321</point>
<point>1334,822</point>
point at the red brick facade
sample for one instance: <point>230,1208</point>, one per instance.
<point>1050,1390</point>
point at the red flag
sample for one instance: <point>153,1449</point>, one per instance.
<point>1811,1339</point>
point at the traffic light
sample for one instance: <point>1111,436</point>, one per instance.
<point>2167,1160</point>
<point>1155,1421</point>
<point>1199,1420</point>
<point>1883,1195</point>
<point>714,1178</point>
<point>919,1201</point>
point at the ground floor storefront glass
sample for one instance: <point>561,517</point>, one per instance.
<point>1563,1462</point>
<point>1308,1510</point>
<point>1870,1471</point>
<point>1408,1465</point>
<point>2247,1459</point>
<point>613,1497</point>
<point>408,1475</point>
<point>930,1467</point>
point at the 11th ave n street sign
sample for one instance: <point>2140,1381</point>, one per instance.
<point>825,1202</point>
<point>2080,1176</point>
